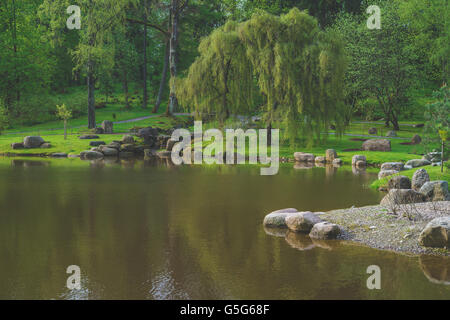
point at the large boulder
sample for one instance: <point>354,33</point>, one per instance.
<point>127,147</point>
<point>127,139</point>
<point>416,139</point>
<point>114,145</point>
<point>17,145</point>
<point>170,144</point>
<point>436,234</point>
<point>435,190</point>
<point>419,178</point>
<point>325,231</point>
<point>276,219</point>
<point>377,145</point>
<point>330,155</point>
<point>398,166</point>
<point>107,127</point>
<point>33,142</point>
<point>386,173</point>
<point>320,160</point>
<point>91,155</point>
<point>357,158</point>
<point>399,182</point>
<point>302,221</point>
<point>109,152</point>
<point>304,157</point>
<point>415,163</point>
<point>401,196</point>
<point>150,136</point>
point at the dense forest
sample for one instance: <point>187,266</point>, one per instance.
<point>300,61</point>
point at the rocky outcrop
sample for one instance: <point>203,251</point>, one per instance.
<point>436,234</point>
<point>398,166</point>
<point>402,196</point>
<point>399,182</point>
<point>109,152</point>
<point>415,163</point>
<point>301,221</point>
<point>419,178</point>
<point>31,142</point>
<point>377,145</point>
<point>325,231</point>
<point>127,139</point>
<point>276,219</point>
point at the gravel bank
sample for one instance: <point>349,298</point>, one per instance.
<point>377,227</point>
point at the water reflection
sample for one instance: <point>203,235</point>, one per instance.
<point>436,268</point>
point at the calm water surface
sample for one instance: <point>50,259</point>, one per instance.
<point>140,231</point>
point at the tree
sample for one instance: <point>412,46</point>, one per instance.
<point>220,80</point>
<point>299,71</point>
<point>381,64</point>
<point>64,114</point>
<point>437,115</point>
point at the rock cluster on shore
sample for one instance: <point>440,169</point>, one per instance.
<point>330,157</point>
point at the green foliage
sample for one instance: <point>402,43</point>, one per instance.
<point>3,117</point>
<point>299,72</point>
<point>63,112</point>
<point>437,115</point>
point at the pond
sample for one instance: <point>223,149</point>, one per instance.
<point>143,231</point>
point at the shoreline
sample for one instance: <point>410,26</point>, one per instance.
<point>374,226</point>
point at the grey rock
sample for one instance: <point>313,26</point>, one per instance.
<point>325,231</point>
<point>398,166</point>
<point>59,155</point>
<point>401,196</point>
<point>127,139</point>
<point>415,163</point>
<point>337,162</point>
<point>109,152</point>
<point>435,190</point>
<point>320,160</point>
<point>108,127</point>
<point>17,145</point>
<point>302,221</point>
<point>399,182</point>
<point>32,142</point>
<point>386,173</point>
<point>377,145</point>
<point>127,147</point>
<point>436,234</point>
<point>330,155</point>
<point>373,131</point>
<point>419,178</point>
<point>357,158</point>
<point>89,137</point>
<point>170,144</point>
<point>416,139</point>
<point>276,219</point>
<point>91,155</point>
<point>304,157</point>
<point>45,145</point>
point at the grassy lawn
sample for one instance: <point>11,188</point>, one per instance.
<point>434,172</point>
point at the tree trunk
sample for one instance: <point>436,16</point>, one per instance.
<point>394,121</point>
<point>65,129</point>
<point>125,89</point>
<point>163,78</point>
<point>145,94</point>
<point>442,156</point>
<point>173,101</point>
<point>91,95</point>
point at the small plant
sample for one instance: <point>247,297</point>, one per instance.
<point>65,114</point>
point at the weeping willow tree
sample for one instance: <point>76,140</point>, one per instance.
<point>299,71</point>
<point>220,81</point>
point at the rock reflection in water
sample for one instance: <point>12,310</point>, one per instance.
<point>299,241</point>
<point>29,163</point>
<point>436,268</point>
<point>276,232</point>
